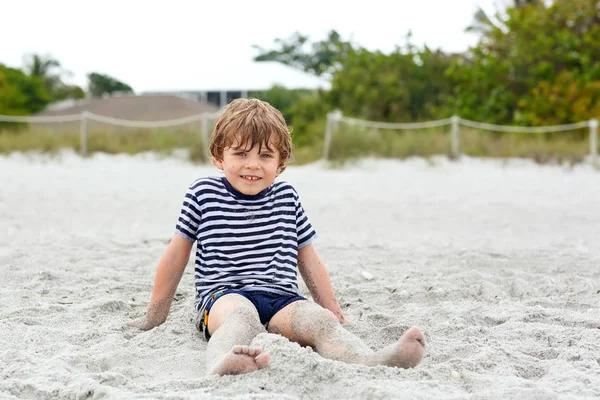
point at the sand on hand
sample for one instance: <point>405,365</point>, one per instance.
<point>497,262</point>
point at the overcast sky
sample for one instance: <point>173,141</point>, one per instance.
<point>178,44</point>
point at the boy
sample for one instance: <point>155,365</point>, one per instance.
<point>252,237</point>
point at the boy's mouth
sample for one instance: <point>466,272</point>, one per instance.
<point>250,178</point>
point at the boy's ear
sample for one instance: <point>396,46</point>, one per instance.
<point>218,163</point>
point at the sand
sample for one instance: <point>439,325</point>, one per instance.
<point>498,262</point>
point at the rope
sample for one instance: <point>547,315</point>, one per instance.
<point>108,120</point>
<point>396,125</point>
<point>40,120</point>
<point>147,124</point>
<point>464,122</point>
<point>347,120</point>
<point>524,129</point>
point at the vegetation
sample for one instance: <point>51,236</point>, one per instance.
<point>101,84</point>
<point>536,63</point>
<point>30,89</point>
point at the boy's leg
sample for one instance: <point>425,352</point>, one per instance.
<point>233,322</point>
<point>312,325</point>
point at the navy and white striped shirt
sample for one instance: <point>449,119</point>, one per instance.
<point>245,242</point>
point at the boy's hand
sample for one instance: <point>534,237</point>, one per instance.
<point>155,316</point>
<point>141,323</point>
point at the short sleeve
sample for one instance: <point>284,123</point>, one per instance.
<point>189,216</point>
<point>305,231</point>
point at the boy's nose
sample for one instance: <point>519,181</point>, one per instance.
<point>252,163</point>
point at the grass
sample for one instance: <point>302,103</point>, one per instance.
<point>129,141</point>
<point>349,143</point>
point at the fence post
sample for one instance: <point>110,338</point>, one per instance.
<point>204,135</point>
<point>330,127</point>
<point>455,136</point>
<point>594,142</point>
<point>83,133</point>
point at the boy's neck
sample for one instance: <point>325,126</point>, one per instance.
<point>242,196</point>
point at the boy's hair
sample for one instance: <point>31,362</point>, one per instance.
<point>249,123</point>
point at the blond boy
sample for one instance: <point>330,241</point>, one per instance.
<point>252,237</point>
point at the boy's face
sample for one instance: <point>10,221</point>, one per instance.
<point>249,171</point>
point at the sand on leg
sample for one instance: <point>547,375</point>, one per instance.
<point>312,325</point>
<point>233,322</point>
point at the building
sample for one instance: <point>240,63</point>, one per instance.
<point>239,81</point>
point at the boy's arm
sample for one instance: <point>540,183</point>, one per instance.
<point>315,275</point>
<point>168,274</point>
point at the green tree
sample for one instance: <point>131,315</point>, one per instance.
<point>308,116</point>
<point>63,92</point>
<point>541,68</point>
<point>297,51</point>
<point>282,98</point>
<point>21,94</point>
<point>483,23</point>
<point>49,70</point>
<point>406,85</point>
<point>100,84</point>
<point>44,67</point>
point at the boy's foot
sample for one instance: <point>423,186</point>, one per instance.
<point>241,360</point>
<point>408,352</point>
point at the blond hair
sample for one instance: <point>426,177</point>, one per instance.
<point>249,123</point>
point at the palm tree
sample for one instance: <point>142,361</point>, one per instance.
<point>483,23</point>
<point>46,68</point>
<point>42,66</point>
<point>50,72</point>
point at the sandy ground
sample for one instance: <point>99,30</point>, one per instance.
<point>497,262</point>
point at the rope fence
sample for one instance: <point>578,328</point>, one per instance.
<point>335,118</point>
<point>86,116</point>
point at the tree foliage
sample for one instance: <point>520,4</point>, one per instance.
<point>281,98</point>
<point>50,72</point>
<point>484,23</point>
<point>21,94</point>
<point>405,85</point>
<point>39,82</point>
<point>101,84</point>
<point>541,68</point>
<point>297,51</point>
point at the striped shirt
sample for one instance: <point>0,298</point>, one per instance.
<point>245,242</point>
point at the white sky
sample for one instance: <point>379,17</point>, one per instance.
<point>179,44</point>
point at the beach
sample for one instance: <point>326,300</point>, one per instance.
<point>496,261</point>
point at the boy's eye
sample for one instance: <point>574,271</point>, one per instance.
<point>266,155</point>
<point>240,154</point>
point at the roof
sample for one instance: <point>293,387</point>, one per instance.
<point>137,108</point>
<point>245,76</point>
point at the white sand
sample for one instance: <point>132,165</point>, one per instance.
<point>498,263</point>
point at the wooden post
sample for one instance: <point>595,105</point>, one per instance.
<point>205,136</point>
<point>332,121</point>
<point>455,137</point>
<point>594,142</point>
<point>83,133</point>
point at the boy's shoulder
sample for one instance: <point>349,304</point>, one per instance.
<point>204,181</point>
<point>206,185</point>
<point>284,187</point>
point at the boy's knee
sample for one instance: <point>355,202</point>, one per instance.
<point>321,320</point>
<point>246,314</point>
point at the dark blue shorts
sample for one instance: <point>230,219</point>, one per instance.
<point>267,304</point>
